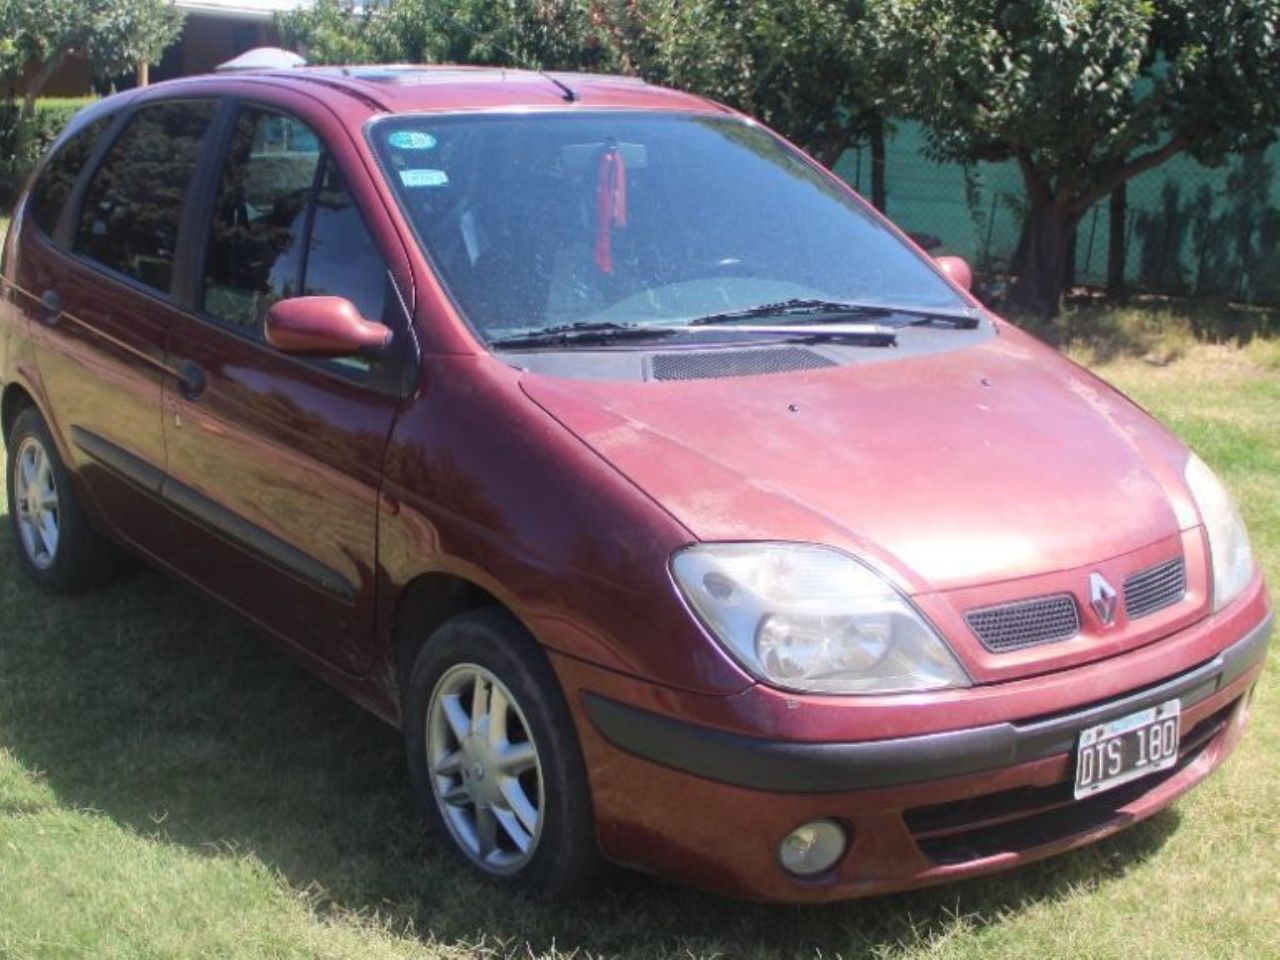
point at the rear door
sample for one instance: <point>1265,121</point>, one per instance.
<point>100,286</point>
<point>275,461</point>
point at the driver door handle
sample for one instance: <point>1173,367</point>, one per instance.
<point>50,307</point>
<point>191,379</point>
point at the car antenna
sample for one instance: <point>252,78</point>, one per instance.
<point>566,91</point>
<point>568,94</point>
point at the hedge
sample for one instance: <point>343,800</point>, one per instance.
<point>51,115</point>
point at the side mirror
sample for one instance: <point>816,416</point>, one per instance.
<point>958,269</point>
<point>323,327</point>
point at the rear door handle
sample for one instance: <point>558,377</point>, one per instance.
<point>50,307</point>
<point>191,379</point>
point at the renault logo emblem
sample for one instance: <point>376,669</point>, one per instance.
<point>1103,599</point>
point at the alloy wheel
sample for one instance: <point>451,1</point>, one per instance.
<point>36,502</point>
<point>486,774</point>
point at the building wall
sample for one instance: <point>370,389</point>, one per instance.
<point>208,41</point>
<point>72,79</point>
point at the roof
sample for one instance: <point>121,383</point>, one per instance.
<point>243,10</point>
<point>359,92</point>
<point>416,87</point>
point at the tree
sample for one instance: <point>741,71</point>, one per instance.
<point>1083,95</point>
<point>331,31</point>
<point>546,34</point>
<point>112,35</point>
<point>795,64</point>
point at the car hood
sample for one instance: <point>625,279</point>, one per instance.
<point>984,464</point>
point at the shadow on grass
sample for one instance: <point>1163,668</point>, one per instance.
<point>150,705</point>
<point>1156,328</point>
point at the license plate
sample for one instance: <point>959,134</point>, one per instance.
<point>1126,748</point>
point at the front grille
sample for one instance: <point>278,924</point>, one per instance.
<point>706,365</point>
<point>1027,623</point>
<point>1155,588</point>
<point>1013,821</point>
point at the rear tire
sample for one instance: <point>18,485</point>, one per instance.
<point>494,759</point>
<point>56,546</point>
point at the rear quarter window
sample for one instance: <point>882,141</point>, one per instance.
<point>133,205</point>
<point>54,185</point>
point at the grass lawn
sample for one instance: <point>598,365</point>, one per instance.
<point>172,786</point>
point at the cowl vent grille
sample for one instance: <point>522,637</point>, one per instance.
<point>1027,623</point>
<point>706,365</point>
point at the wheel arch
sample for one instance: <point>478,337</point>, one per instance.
<point>14,400</point>
<point>427,603</point>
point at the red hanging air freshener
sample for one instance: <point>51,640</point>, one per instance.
<point>611,205</point>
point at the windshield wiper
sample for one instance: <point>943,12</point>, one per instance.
<point>857,334</point>
<point>581,333</point>
<point>594,333</point>
<point>813,308</point>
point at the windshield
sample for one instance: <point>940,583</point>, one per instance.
<point>537,221</point>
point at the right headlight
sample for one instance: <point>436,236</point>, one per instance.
<point>805,617</point>
<point>1231,555</point>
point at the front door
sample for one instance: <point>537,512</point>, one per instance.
<point>275,461</point>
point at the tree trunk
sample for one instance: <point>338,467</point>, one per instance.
<point>35,87</point>
<point>829,153</point>
<point>1041,278</point>
<point>1069,262</point>
<point>879,195</point>
<point>1020,251</point>
<point>39,80</point>
<point>1119,209</point>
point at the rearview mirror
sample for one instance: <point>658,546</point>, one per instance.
<point>323,327</point>
<point>958,269</point>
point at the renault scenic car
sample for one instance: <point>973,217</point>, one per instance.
<point>679,510</point>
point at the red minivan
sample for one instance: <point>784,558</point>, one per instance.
<point>677,508</point>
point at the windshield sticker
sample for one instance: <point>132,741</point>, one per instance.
<point>424,178</point>
<point>411,140</point>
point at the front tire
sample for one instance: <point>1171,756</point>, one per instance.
<point>493,757</point>
<point>57,547</point>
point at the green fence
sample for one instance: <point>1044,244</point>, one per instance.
<point>1189,229</point>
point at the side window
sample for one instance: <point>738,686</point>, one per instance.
<point>260,218</point>
<point>343,260</point>
<point>133,205</point>
<point>54,184</point>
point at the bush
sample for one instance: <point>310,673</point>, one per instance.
<point>51,115</point>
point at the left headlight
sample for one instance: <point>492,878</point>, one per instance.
<point>810,618</point>
<point>1231,555</point>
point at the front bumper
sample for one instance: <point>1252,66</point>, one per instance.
<point>789,767</point>
<point>709,806</point>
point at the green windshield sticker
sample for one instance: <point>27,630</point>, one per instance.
<point>411,140</point>
<point>424,178</point>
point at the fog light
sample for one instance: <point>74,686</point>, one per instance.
<point>813,848</point>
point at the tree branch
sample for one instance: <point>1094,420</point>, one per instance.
<point>1139,164</point>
